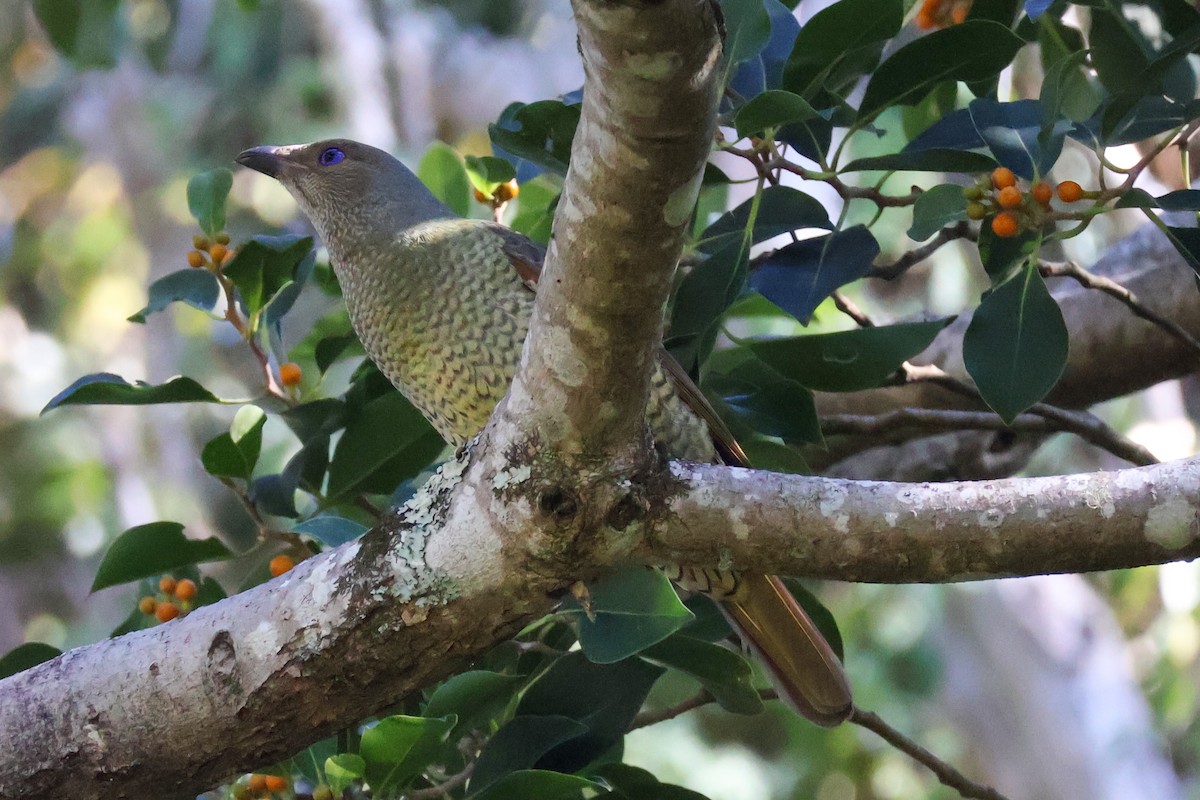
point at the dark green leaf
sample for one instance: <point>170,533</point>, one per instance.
<point>702,297</point>
<point>725,674</point>
<point>539,132</point>
<point>781,209</point>
<point>86,31</point>
<point>24,656</point>
<point>1000,254</point>
<point>343,769</point>
<point>833,32</point>
<point>634,783</point>
<point>387,442</point>
<point>799,276</point>
<point>441,169</point>
<point>1187,242</point>
<point>148,550</point>
<point>747,28</point>
<point>764,401</point>
<point>1118,53</point>
<point>631,609</point>
<point>771,109</point>
<point>848,361</point>
<point>1069,91</point>
<point>488,172</point>
<point>475,697</point>
<point>540,784</point>
<point>935,209</point>
<point>931,160</point>
<point>333,531</point>
<point>1015,348</point>
<point>710,624</point>
<point>264,265</point>
<point>770,455</point>
<point>206,195</point>
<point>973,51</point>
<point>399,748</point>
<point>520,744</point>
<point>1180,200</point>
<point>235,454</point>
<point>104,388</point>
<point>196,287</point>
<point>604,697</point>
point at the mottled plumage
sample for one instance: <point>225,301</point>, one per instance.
<point>442,305</point>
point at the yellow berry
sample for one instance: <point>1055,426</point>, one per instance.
<point>257,783</point>
<point>200,242</point>
<point>280,564</point>
<point>1005,225</point>
<point>972,193</point>
<point>222,238</point>
<point>322,792</point>
<point>976,210</point>
<point>218,252</point>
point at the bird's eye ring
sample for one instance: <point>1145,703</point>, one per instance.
<point>330,156</point>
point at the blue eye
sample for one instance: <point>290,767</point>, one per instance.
<point>330,156</point>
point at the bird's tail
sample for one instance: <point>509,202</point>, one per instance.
<point>802,666</point>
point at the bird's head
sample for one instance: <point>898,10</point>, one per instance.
<point>351,191</point>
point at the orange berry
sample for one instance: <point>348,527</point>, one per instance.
<point>166,584</point>
<point>186,590</point>
<point>218,252</point>
<point>959,14</point>
<point>147,605</point>
<point>166,611</point>
<point>1009,197</point>
<point>277,783</point>
<point>1005,225</point>
<point>280,564</point>
<point>290,374</point>
<point>925,19</point>
<point>507,191</point>
<point>1042,193</point>
<point>1069,191</point>
<point>257,783</point>
<point>1002,177</point>
<point>195,259</point>
<point>480,196</point>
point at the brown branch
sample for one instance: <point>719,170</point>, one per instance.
<point>644,718</point>
<point>950,233</point>
<point>931,420</point>
<point>946,774</point>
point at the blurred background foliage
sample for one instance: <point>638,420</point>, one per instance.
<point>95,153</point>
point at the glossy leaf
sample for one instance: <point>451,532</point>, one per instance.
<point>1015,134</point>
<point>540,784</point>
<point>149,550</point>
<point>747,28</point>
<point>848,361</point>
<point>630,610</point>
<point>936,208</point>
<point>343,769</point>
<point>400,747</point>
<point>104,388</point>
<point>726,675</point>
<point>930,160</point>
<point>263,265</point>
<point>1015,348</point>
<point>634,783</point>
<point>196,287</point>
<point>387,442</point>
<point>765,402</point>
<point>539,132</point>
<point>837,29</point>
<point>781,209</point>
<point>973,51</point>
<point>333,531</point>
<point>1187,242</point>
<point>442,171</point>
<point>771,109</point>
<point>520,744</point>
<point>235,454</point>
<point>799,276</point>
<point>770,455</point>
<point>25,656</point>
<point>206,194</point>
<point>1069,91</point>
<point>474,697</point>
<point>702,297</point>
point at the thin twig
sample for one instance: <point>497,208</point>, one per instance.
<point>960,230</point>
<point>1069,269</point>
<point>645,718</point>
<point>946,774</point>
<point>444,788</point>
<point>930,419</point>
<point>849,308</point>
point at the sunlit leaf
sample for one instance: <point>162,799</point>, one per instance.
<point>206,195</point>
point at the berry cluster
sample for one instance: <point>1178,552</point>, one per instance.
<point>173,599</point>
<point>1011,209</point>
<point>501,195</point>
<point>257,785</point>
<point>210,254</point>
<point>935,14</point>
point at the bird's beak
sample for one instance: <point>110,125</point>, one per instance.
<point>266,159</point>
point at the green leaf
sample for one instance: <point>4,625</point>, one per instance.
<point>486,173</point>
<point>821,616</point>
<point>264,265</point>
<point>333,531</point>
<point>604,697</point>
<point>747,28</point>
<point>235,454</point>
<point>834,32</point>
<point>632,609</point>
<point>973,51</point>
<point>86,31</point>
<point>24,656</point>
<point>764,401</point>
<point>772,109</point>
<point>399,748</point>
<point>936,208</point>
<point>1187,242</point>
<point>342,770</point>
<point>196,287</point>
<point>799,276</point>
<point>542,785</point>
<point>634,783</point>
<point>539,132</point>
<point>702,297</point>
<point>848,361</point>
<point>388,442</point>
<point>441,169</point>
<point>769,455</point>
<point>931,160</point>
<point>519,744</point>
<point>148,550</point>
<point>1015,348</point>
<point>104,388</point>
<point>781,209</point>
<point>726,675</point>
<point>206,195</point>
<point>1118,55</point>
<point>475,697</point>
<point>1000,254</point>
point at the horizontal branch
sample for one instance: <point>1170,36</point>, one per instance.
<point>883,532</point>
